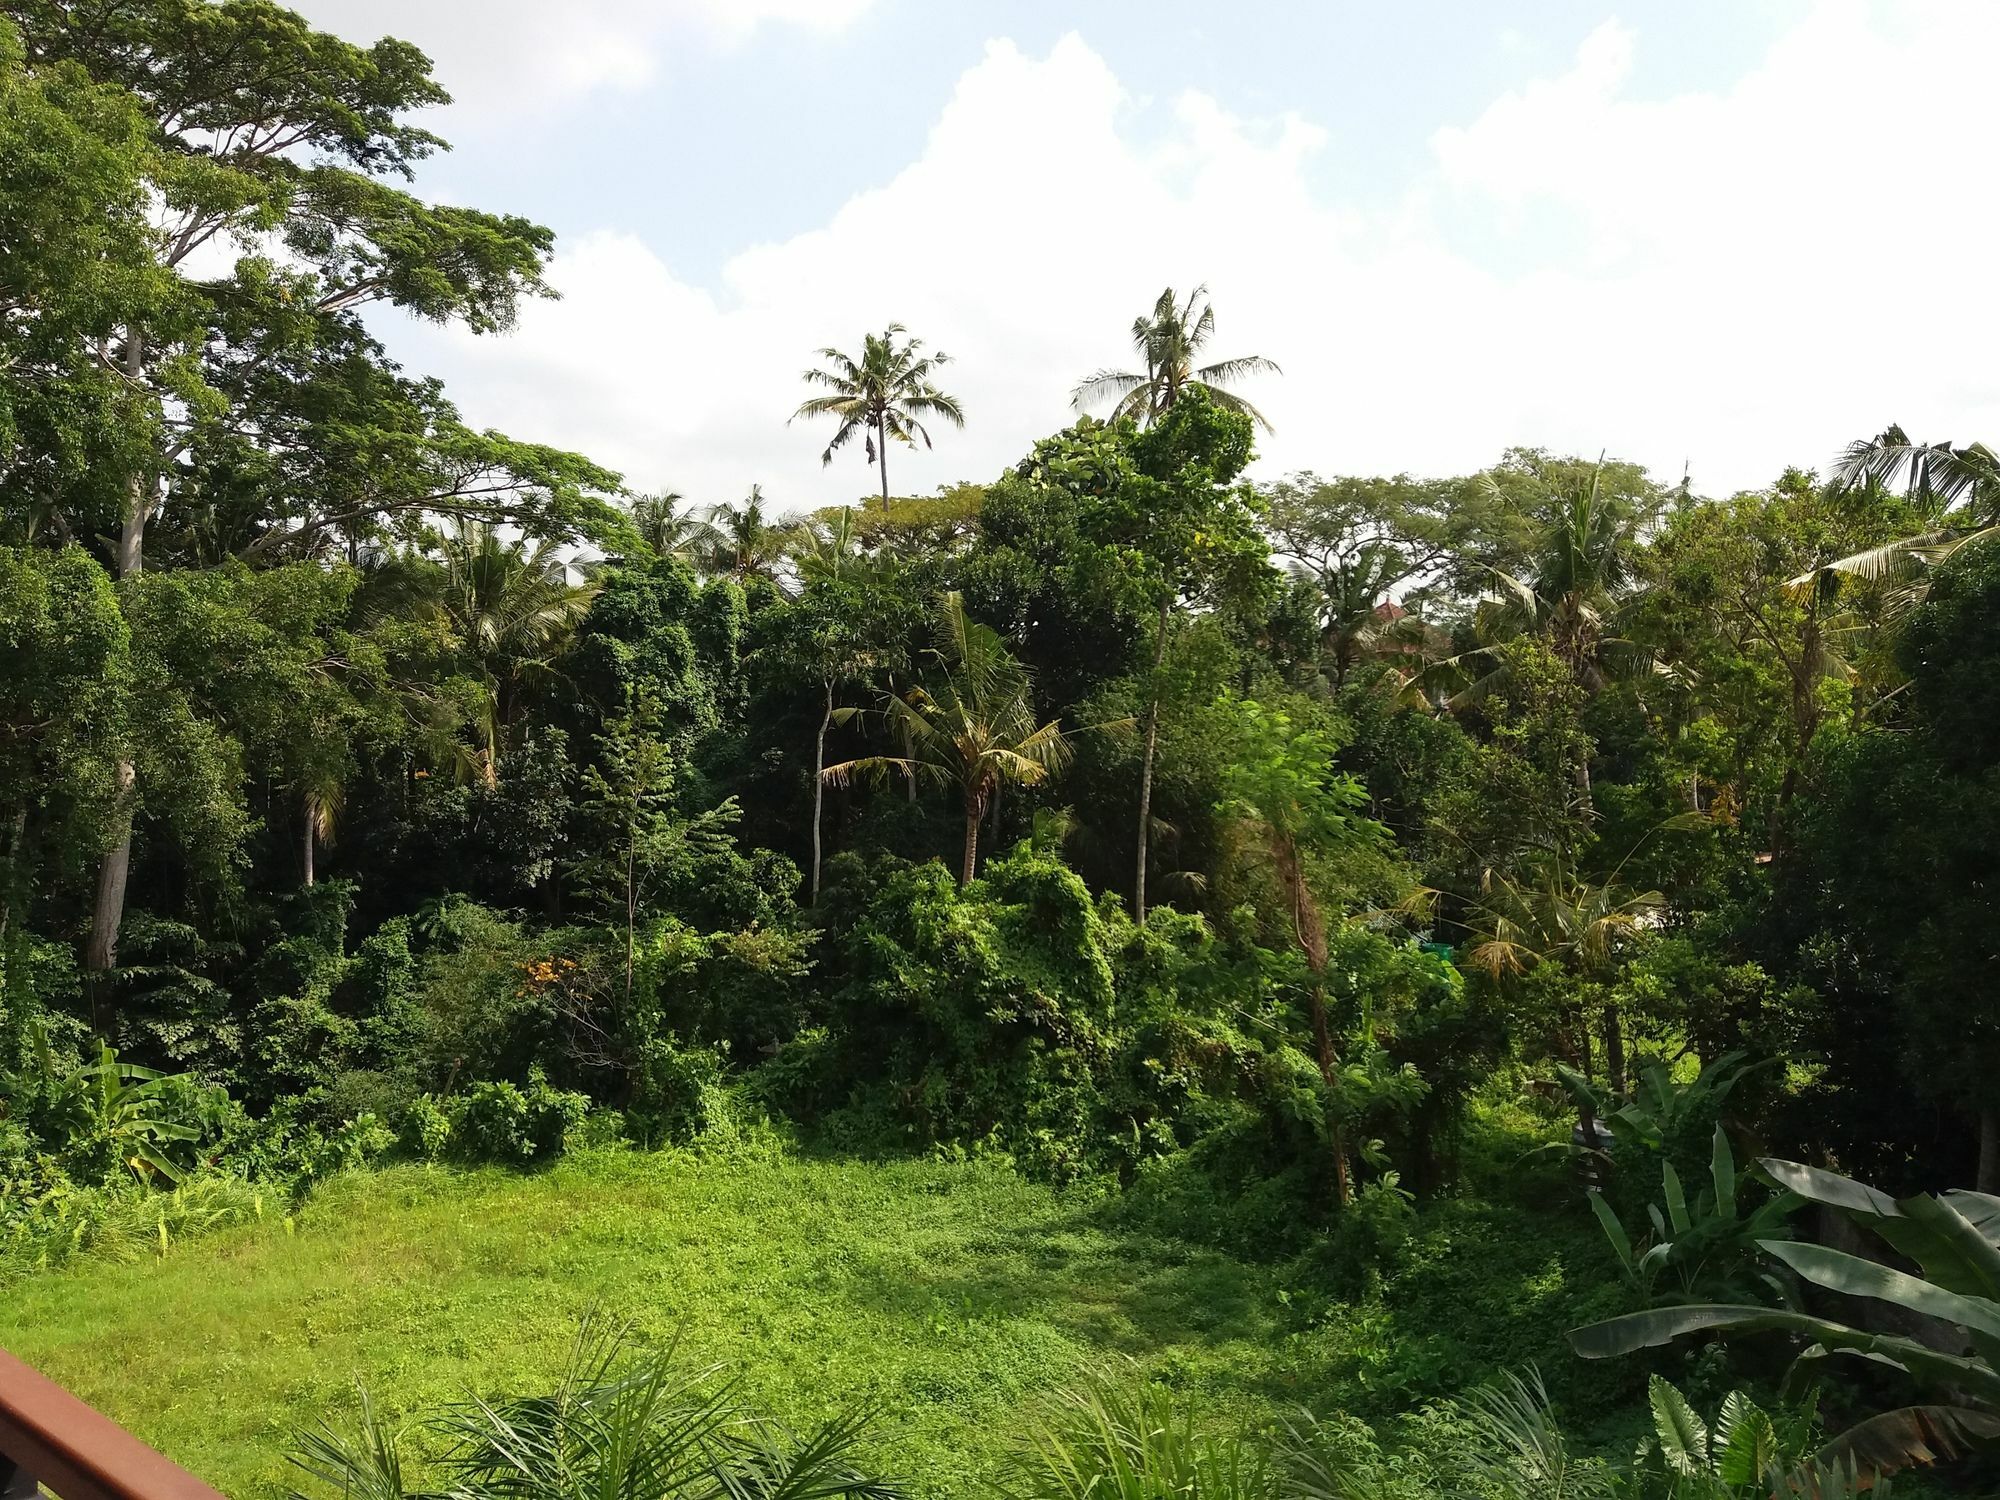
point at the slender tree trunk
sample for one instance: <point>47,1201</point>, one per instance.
<point>1310,934</point>
<point>114,870</point>
<point>882,458</point>
<point>100,949</point>
<point>1146,768</point>
<point>1614,1047</point>
<point>1586,1116</point>
<point>139,492</point>
<point>308,843</point>
<point>1987,1179</point>
<point>1329,1071</point>
<point>819,787</point>
<point>631,909</point>
<point>970,862</point>
<point>15,886</point>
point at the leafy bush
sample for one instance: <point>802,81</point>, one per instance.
<point>426,1129</point>
<point>497,1122</point>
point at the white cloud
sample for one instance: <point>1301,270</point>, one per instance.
<point>1742,279</point>
<point>505,59</point>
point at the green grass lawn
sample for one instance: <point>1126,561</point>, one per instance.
<point>948,1296</point>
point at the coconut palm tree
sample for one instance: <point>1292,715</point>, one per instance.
<point>671,530</point>
<point>1580,575</point>
<point>1580,580</point>
<point>1955,492</point>
<point>970,725</point>
<point>1551,914</point>
<point>1168,339</point>
<point>885,394</point>
<point>322,798</point>
<point>745,542</point>
<point>831,549</point>
<point>512,604</point>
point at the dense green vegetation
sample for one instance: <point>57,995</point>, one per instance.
<point>920,950</point>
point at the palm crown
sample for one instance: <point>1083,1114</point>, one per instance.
<point>885,394</point>
<point>1168,339</point>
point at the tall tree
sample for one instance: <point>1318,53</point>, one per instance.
<point>1186,534</point>
<point>1575,586</point>
<point>267,137</point>
<point>669,529</point>
<point>1954,498</point>
<point>1281,783</point>
<point>885,394</point>
<point>1169,339</point>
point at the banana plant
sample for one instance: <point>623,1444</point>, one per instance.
<point>1708,1244</point>
<point>119,1103</point>
<point>1953,1237</point>
<point>1659,1109</point>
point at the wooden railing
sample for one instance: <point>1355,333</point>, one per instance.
<point>51,1440</point>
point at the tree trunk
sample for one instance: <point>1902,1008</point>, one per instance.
<point>100,949</point>
<point>139,496</point>
<point>1310,934</point>
<point>1987,1179</point>
<point>882,458</point>
<point>14,886</point>
<point>1329,1071</point>
<point>1586,1116</point>
<point>631,908</point>
<point>971,860</point>
<point>308,843</point>
<point>819,788</point>
<point>107,914</point>
<point>1146,768</point>
<point>1614,1047</point>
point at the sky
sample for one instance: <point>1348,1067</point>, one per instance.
<point>1717,237</point>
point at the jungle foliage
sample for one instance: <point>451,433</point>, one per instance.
<point>371,785</point>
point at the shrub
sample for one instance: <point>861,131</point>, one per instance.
<point>426,1128</point>
<point>680,1094</point>
<point>497,1122</point>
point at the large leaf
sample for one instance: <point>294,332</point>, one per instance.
<point>1677,1209</point>
<point>1662,1325</point>
<point>1909,1435</point>
<point>1838,1271</point>
<point>1613,1230</point>
<point>1981,1210</point>
<point>1722,1172</point>
<point>1746,1442</point>
<point>1830,1188</point>
<point>1683,1437</point>
<point>1951,1247</point>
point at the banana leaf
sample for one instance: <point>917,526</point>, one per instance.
<point>1938,1235</point>
<point>1838,1271</point>
<point>1662,1325</point>
<point>1909,1435</point>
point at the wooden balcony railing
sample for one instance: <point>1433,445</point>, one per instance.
<point>51,1440</point>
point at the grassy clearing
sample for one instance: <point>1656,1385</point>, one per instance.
<point>946,1295</point>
